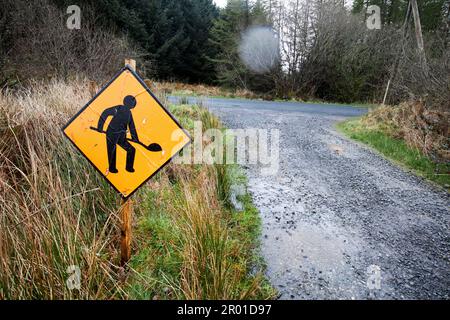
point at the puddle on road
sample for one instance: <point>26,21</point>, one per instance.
<point>304,259</point>
<point>310,262</point>
<point>310,243</point>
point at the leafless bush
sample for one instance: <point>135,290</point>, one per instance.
<point>421,128</point>
<point>429,81</point>
<point>41,46</point>
<point>347,61</point>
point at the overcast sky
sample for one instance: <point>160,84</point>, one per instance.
<point>221,3</point>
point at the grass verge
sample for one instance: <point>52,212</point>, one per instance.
<point>58,215</point>
<point>397,150</point>
<point>190,241</point>
<point>184,91</point>
<point>199,90</point>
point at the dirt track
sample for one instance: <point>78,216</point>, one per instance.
<point>337,208</point>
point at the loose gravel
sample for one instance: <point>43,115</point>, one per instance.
<point>338,214</point>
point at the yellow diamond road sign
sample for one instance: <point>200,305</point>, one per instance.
<point>126,133</point>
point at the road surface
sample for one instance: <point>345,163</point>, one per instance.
<point>340,221</point>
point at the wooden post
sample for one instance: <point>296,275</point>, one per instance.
<point>125,231</point>
<point>397,58</point>
<point>419,36</point>
<point>418,26</point>
<point>126,208</point>
<point>126,213</point>
<point>131,63</point>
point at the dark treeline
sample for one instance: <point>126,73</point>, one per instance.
<point>173,34</point>
<point>324,48</point>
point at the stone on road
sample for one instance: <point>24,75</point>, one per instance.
<point>338,216</point>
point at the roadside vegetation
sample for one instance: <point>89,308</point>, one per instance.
<point>185,90</point>
<point>201,90</point>
<point>57,212</point>
<point>411,135</point>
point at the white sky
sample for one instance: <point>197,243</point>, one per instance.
<point>221,3</point>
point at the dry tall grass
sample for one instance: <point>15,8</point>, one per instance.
<point>210,262</point>
<point>420,127</point>
<point>203,90</point>
<point>55,211</point>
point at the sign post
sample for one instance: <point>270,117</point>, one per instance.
<point>125,231</point>
<point>126,211</point>
<point>128,136</point>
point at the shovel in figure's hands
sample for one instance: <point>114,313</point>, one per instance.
<point>153,147</point>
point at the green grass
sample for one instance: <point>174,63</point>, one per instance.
<point>56,211</point>
<point>161,241</point>
<point>190,243</point>
<point>398,151</point>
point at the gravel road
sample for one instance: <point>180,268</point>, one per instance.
<point>338,212</point>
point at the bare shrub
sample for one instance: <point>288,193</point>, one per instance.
<point>41,46</point>
<point>347,61</point>
<point>428,82</point>
<point>421,128</point>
